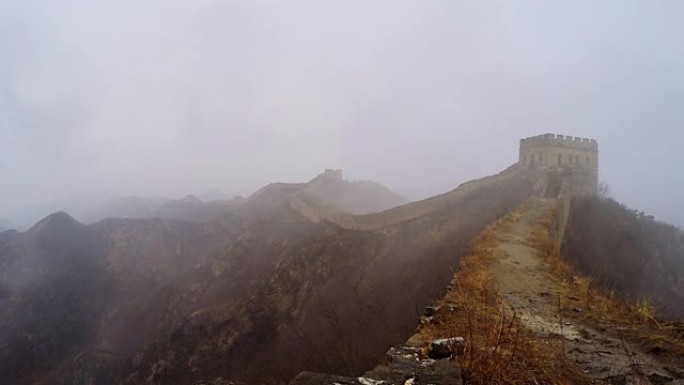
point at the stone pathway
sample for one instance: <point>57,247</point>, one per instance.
<point>527,284</point>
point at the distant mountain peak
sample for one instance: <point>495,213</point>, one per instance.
<point>6,224</point>
<point>59,219</point>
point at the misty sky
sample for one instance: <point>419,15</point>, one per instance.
<point>172,97</point>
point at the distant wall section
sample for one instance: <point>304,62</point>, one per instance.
<point>406,212</point>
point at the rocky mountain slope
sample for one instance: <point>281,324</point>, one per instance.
<point>517,313</point>
<point>313,286</point>
<point>53,287</point>
<point>286,282</point>
<point>164,301</point>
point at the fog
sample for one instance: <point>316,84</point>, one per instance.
<point>168,98</point>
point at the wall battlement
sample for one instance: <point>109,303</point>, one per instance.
<point>559,141</point>
<point>561,160</point>
<point>553,166</point>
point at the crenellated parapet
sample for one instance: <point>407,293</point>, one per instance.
<point>561,160</point>
<point>564,141</point>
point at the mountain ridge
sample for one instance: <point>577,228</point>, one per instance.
<point>162,274</point>
<point>168,301</point>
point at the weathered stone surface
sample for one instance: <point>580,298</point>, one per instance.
<point>677,373</point>
<point>402,355</point>
<point>559,161</point>
<point>404,366</point>
<point>309,378</point>
<point>658,379</point>
<point>218,381</point>
<point>446,347</point>
<point>441,372</point>
<point>430,311</point>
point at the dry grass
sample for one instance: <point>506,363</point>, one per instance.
<point>499,349</point>
<point>637,320</point>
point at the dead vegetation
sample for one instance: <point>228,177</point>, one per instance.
<point>635,320</point>
<point>627,251</point>
<point>499,349</point>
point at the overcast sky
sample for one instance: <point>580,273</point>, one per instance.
<point>172,97</point>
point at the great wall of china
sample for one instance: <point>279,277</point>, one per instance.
<point>515,268</point>
<point>556,166</point>
<point>401,213</point>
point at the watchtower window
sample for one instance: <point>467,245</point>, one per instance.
<point>576,158</point>
<point>560,159</point>
<point>540,158</point>
<point>587,160</point>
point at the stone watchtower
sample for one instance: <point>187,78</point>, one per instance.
<point>332,174</point>
<point>564,164</point>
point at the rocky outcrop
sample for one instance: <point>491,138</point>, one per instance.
<point>403,365</point>
<point>446,347</point>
